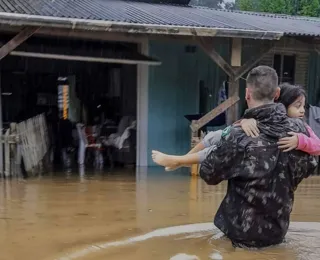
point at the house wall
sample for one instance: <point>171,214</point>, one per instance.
<point>174,86</point>
<point>314,79</point>
<point>299,49</point>
<point>174,92</point>
<point>284,46</point>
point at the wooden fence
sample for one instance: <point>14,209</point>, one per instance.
<point>27,141</point>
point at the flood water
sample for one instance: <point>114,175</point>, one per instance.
<point>145,215</point>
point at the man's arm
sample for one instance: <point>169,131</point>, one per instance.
<point>219,165</point>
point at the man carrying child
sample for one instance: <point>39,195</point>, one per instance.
<point>261,178</point>
<point>263,166</point>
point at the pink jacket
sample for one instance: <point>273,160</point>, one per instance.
<point>310,145</point>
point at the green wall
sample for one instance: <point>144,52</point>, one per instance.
<point>174,92</point>
<point>314,79</point>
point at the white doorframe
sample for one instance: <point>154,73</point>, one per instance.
<point>142,108</point>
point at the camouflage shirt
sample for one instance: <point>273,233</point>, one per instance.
<point>261,179</point>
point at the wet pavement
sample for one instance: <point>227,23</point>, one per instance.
<point>128,215</point>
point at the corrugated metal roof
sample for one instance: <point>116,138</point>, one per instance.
<point>138,12</point>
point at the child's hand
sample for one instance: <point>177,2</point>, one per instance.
<point>289,143</point>
<point>249,126</point>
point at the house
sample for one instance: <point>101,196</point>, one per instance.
<point>178,51</point>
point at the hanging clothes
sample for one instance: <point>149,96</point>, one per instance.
<point>222,93</point>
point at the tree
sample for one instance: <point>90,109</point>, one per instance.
<point>246,5</point>
<point>309,8</point>
<point>291,7</point>
<point>276,6</point>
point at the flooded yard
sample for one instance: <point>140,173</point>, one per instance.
<point>126,215</point>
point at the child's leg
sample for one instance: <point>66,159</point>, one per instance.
<point>199,147</point>
<point>195,155</point>
<point>173,161</point>
<point>210,140</point>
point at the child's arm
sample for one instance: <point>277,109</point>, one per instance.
<point>310,145</point>
<point>214,137</point>
<point>250,127</point>
<point>299,141</point>
<point>210,141</point>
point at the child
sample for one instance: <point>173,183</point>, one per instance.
<point>201,150</point>
<point>292,97</point>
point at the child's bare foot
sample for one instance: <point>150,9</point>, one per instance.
<point>170,169</point>
<point>163,159</point>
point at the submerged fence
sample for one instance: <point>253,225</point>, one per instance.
<point>25,143</point>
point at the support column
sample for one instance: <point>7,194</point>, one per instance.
<point>1,131</point>
<point>142,109</point>
<point>233,112</point>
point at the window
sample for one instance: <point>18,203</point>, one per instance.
<point>285,67</point>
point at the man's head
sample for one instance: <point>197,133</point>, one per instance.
<point>262,86</point>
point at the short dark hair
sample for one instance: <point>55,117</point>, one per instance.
<point>290,93</point>
<point>264,81</point>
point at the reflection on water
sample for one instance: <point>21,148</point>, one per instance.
<point>55,216</point>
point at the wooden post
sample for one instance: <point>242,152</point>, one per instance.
<point>253,61</point>
<point>1,131</point>
<point>193,202</point>
<point>196,125</point>
<point>16,155</point>
<point>194,141</point>
<point>208,48</point>
<point>236,52</point>
<point>233,112</point>
<point>7,153</point>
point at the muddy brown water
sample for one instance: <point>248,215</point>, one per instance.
<point>147,215</point>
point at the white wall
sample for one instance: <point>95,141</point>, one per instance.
<point>142,109</point>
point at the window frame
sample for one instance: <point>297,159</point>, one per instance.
<point>282,55</point>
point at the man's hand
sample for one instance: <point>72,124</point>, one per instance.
<point>289,143</point>
<point>249,126</point>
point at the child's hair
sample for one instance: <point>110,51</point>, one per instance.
<point>290,93</point>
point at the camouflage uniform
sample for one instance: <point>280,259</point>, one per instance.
<point>261,179</point>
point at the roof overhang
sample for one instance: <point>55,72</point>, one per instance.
<point>134,28</point>
<point>140,59</point>
<point>99,52</point>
